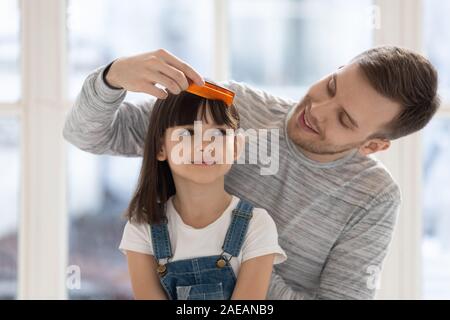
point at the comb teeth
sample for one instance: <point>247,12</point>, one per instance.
<point>212,91</point>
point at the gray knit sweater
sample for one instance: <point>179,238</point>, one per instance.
<point>335,220</point>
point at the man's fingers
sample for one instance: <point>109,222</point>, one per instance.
<point>182,66</point>
<point>167,82</point>
<point>175,74</point>
<point>153,90</point>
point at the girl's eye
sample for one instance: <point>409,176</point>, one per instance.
<point>218,132</point>
<point>186,133</point>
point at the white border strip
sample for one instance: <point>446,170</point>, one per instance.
<point>43,221</point>
<point>401,24</point>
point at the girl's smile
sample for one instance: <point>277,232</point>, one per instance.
<point>204,163</point>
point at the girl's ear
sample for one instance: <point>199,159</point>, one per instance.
<point>162,154</point>
<point>239,143</point>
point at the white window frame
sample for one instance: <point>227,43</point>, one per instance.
<point>43,223</point>
<point>402,24</point>
<point>43,241</point>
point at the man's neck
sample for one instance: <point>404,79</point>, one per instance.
<point>324,158</point>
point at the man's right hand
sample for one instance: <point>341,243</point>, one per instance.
<point>142,72</point>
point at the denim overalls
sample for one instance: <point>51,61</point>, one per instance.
<point>204,278</point>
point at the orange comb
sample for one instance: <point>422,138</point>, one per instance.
<point>212,91</point>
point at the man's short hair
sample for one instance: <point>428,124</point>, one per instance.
<point>407,78</point>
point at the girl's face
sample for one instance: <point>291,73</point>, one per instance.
<point>202,152</point>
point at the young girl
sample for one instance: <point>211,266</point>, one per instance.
<point>186,237</point>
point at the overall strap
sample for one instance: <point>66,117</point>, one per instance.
<point>161,241</point>
<point>238,228</point>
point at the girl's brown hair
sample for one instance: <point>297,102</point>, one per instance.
<point>155,185</point>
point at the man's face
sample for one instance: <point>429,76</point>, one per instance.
<point>339,113</point>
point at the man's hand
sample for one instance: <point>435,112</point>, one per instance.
<point>142,72</point>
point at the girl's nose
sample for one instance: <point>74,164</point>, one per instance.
<point>199,148</point>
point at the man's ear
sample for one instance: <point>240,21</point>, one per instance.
<point>162,154</point>
<point>374,146</point>
<point>239,143</point>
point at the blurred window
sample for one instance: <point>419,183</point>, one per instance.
<point>9,205</point>
<point>284,46</point>
<point>101,187</point>
<point>9,146</point>
<point>436,160</point>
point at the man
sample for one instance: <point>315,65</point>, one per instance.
<point>335,206</point>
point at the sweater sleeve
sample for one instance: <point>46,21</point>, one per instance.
<point>101,122</point>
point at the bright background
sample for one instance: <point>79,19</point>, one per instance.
<point>60,206</point>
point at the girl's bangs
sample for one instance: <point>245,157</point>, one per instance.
<point>187,108</point>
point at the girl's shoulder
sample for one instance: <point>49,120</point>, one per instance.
<point>262,237</point>
<point>261,217</point>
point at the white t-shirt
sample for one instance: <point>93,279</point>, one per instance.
<point>188,242</point>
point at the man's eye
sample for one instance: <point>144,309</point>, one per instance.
<point>343,122</point>
<point>331,89</point>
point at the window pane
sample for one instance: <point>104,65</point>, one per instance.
<point>100,188</point>
<point>102,30</point>
<point>436,205</point>
<point>286,45</point>
<point>437,40</point>
<point>9,51</point>
<point>9,204</point>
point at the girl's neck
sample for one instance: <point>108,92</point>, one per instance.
<point>200,205</point>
